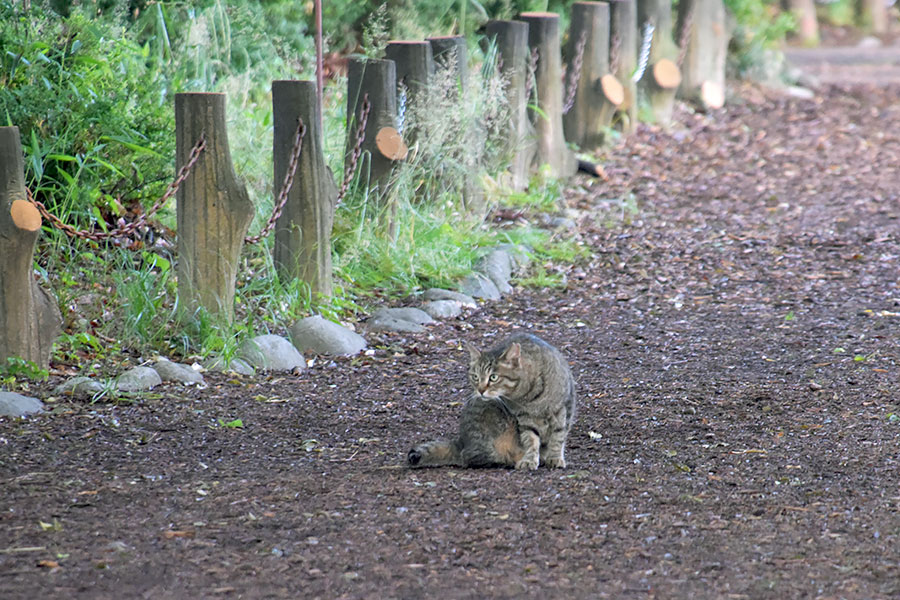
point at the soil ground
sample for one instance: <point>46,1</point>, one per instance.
<point>734,337</point>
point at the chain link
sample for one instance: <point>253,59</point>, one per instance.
<point>401,106</point>
<point>644,58</point>
<point>350,169</point>
<point>532,72</point>
<point>129,228</point>
<point>683,40</point>
<point>614,47</point>
<point>286,185</point>
<point>575,74</point>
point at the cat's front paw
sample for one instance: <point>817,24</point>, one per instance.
<point>527,463</point>
<point>556,463</point>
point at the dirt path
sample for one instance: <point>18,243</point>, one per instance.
<point>735,340</point>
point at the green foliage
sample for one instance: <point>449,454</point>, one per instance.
<point>16,367</point>
<point>761,25</point>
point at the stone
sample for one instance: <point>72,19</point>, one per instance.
<point>478,285</point>
<point>870,41</point>
<point>388,323</point>
<point>271,353</point>
<point>321,336</point>
<point>433,294</point>
<point>17,405</point>
<point>170,371</point>
<point>413,315</point>
<point>80,387</point>
<point>519,255</point>
<point>497,265</point>
<point>138,379</point>
<point>236,365</point>
<point>441,309</point>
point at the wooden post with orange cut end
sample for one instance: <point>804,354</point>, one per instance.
<point>623,41</point>
<point>214,210</point>
<point>29,317</point>
<point>590,113</point>
<point>662,77</point>
<point>543,37</point>
<point>377,80</point>
<point>512,50</point>
<point>415,67</point>
<point>701,23</point>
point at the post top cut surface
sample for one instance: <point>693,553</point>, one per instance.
<point>25,215</point>
<point>538,15</point>
<point>410,42</point>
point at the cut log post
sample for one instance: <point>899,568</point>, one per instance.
<point>873,15</point>
<point>702,28</point>
<point>303,231</point>
<point>29,318</point>
<point>591,111</point>
<point>662,77</point>
<point>543,36</point>
<point>214,209</point>
<point>623,51</point>
<point>450,53</point>
<point>804,12</point>
<point>376,79</point>
<point>415,68</point>
<point>512,50</point>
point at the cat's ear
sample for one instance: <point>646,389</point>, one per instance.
<point>474,353</point>
<point>512,354</point>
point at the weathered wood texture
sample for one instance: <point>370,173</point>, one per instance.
<point>512,50</point>
<point>543,35</point>
<point>214,210</point>
<point>657,83</point>
<point>873,15</point>
<point>378,79</point>
<point>415,68</point>
<point>623,51</point>
<point>450,53</point>
<point>591,111</point>
<point>804,12</point>
<point>703,70</point>
<point>29,318</point>
<point>303,231</point>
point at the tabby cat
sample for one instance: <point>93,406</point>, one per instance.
<point>519,415</point>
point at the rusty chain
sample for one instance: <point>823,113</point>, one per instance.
<point>614,47</point>
<point>575,73</point>
<point>532,72</point>
<point>286,185</point>
<point>350,169</point>
<point>686,27</point>
<point>128,228</point>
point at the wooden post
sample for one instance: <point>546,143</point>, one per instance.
<point>303,231</point>
<point>512,48</point>
<point>543,35</point>
<point>450,53</point>
<point>376,78</point>
<point>590,112</point>
<point>807,24</point>
<point>662,77</point>
<point>701,23</point>
<point>415,68</point>
<point>214,210</point>
<point>29,317</point>
<point>873,15</point>
<point>623,52</point>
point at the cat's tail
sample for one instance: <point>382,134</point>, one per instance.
<point>437,453</point>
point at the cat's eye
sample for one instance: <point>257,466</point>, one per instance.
<point>494,377</point>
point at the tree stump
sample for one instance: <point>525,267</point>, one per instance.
<point>29,318</point>
<point>512,50</point>
<point>701,24</point>
<point>662,77</point>
<point>590,113</point>
<point>214,210</point>
<point>376,79</point>
<point>303,231</point>
<point>450,53</point>
<point>623,52</point>
<point>873,15</point>
<point>543,35</point>
<point>807,24</point>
